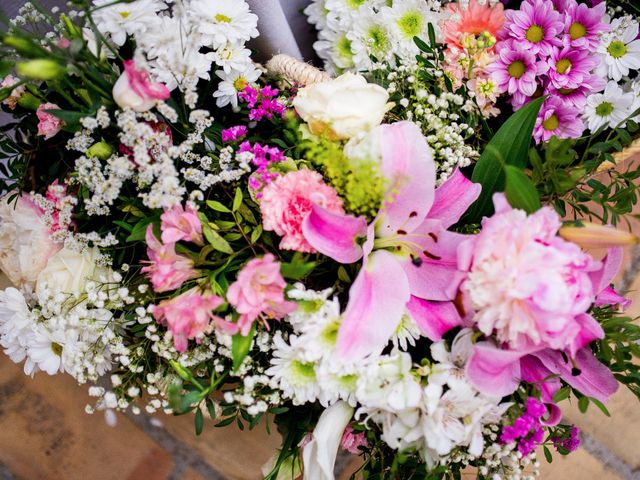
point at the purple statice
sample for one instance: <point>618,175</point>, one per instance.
<point>570,443</point>
<point>536,26</point>
<point>583,25</point>
<point>516,69</point>
<point>527,429</point>
<point>262,103</point>
<point>569,67</point>
<point>557,118</point>
<point>263,157</point>
<point>233,134</point>
<point>249,95</point>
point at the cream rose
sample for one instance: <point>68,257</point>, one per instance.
<point>68,272</point>
<point>25,241</point>
<point>343,107</point>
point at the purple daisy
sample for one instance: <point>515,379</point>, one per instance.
<point>516,69</point>
<point>583,25</point>
<point>536,26</point>
<point>569,67</point>
<point>557,118</point>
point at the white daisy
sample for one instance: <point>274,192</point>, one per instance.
<point>609,108</point>
<point>224,21</point>
<point>51,351</point>
<point>122,19</point>
<point>233,83</point>
<point>291,373</point>
<point>16,323</point>
<point>232,56</point>
<point>619,49</point>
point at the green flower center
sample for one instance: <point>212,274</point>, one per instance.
<point>348,382</point>
<point>517,69</point>
<point>330,333</point>
<point>604,109</point>
<point>535,34</point>
<point>577,30</point>
<point>302,372</point>
<point>551,123</point>
<point>563,65</point>
<point>411,24</point>
<point>343,48</point>
<point>56,348</point>
<point>220,18</point>
<point>378,39</point>
<point>617,49</point>
<point>355,4</point>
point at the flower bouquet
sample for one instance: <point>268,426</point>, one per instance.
<point>401,261</point>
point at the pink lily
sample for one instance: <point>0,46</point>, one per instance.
<point>409,257</point>
<point>496,371</point>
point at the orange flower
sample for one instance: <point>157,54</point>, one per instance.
<point>474,20</point>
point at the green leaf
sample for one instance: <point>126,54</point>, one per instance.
<point>139,230</point>
<point>297,268</point>
<point>509,146</point>
<point>561,394</point>
<point>255,235</point>
<point>520,191</point>
<point>217,206</point>
<point>422,45</point>
<point>71,118</point>
<point>600,405</point>
<point>547,454</point>
<point>583,404</point>
<point>240,346</point>
<point>199,421</point>
<point>215,240</point>
<point>237,199</point>
<point>432,35</point>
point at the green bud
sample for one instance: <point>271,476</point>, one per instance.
<point>40,69</point>
<point>23,46</point>
<point>69,25</point>
<point>28,101</point>
<point>101,150</point>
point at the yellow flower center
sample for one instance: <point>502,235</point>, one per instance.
<point>577,30</point>
<point>563,65</point>
<point>220,18</point>
<point>535,34</point>
<point>551,123</point>
<point>56,348</point>
<point>239,84</point>
<point>124,14</point>
<point>517,69</point>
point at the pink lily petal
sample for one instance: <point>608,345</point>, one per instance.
<point>453,198</point>
<point>334,234</point>
<point>407,163</point>
<point>493,371</point>
<point>534,371</point>
<point>609,296</point>
<point>590,330</point>
<point>591,378</point>
<point>434,318</point>
<point>611,264</point>
<point>377,301</point>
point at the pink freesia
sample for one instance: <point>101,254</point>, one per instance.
<point>180,223</point>
<point>167,270</point>
<point>48,125</point>
<point>287,201</point>
<point>189,317</point>
<point>259,291</point>
<point>409,256</point>
<point>135,90</point>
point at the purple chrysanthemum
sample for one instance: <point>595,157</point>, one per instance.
<point>516,69</point>
<point>536,26</point>
<point>569,67</point>
<point>584,24</point>
<point>578,96</point>
<point>557,118</point>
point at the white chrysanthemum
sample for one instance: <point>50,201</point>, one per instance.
<point>316,13</point>
<point>16,323</point>
<point>233,83</point>
<point>335,49</point>
<point>224,21</point>
<point>620,49</point>
<point>342,14</point>
<point>409,19</point>
<point>52,351</point>
<point>291,373</point>
<point>609,108</point>
<point>338,381</point>
<point>232,56</point>
<point>371,36</point>
<point>122,19</point>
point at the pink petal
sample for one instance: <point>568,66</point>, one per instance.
<point>334,234</point>
<point>592,378</point>
<point>609,296</point>
<point>611,264</point>
<point>590,330</point>
<point>408,165</point>
<point>434,318</point>
<point>534,371</point>
<point>493,371</point>
<point>377,301</point>
<point>453,198</point>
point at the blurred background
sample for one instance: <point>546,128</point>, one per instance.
<point>45,433</point>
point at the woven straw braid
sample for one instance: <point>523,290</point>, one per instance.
<point>295,71</point>
<point>621,157</point>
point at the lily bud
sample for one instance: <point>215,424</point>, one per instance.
<point>101,150</point>
<point>591,235</point>
<point>23,46</point>
<point>40,69</point>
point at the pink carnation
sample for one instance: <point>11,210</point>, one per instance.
<point>259,290</point>
<point>351,441</point>
<point>287,201</point>
<point>526,284</point>
<point>167,270</point>
<point>48,125</point>
<point>189,317</point>
<point>181,224</point>
<point>12,100</point>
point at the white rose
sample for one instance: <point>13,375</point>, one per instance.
<point>25,241</point>
<point>68,272</point>
<point>343,107</point>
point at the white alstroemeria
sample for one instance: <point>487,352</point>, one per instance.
<point>609,108</point>
<point>449,366</point>
<point>319,455</point>
<point>406,334</point>
<point>233,83</point>
<point>131,18</point>
<point>401,430</point>
<point>223,22</point>
<point>619,49</point>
